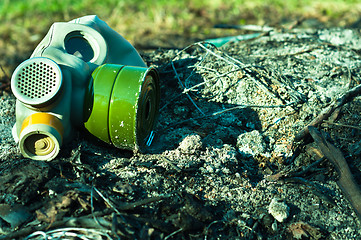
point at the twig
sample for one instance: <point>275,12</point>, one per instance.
<point>241,66</point>
<point>341,125</point>
<point>206,232</point>
<point>310,49</point>
<point>202,83</point>
<point>175,167</point>
<point>227,110</point>
<point>92,206</point>
<point>195,66</point>
<point>345,98</point>
<point>251,106</point>
<point>249,71</point>
<point>106,200</point>
<point>314,188</point>
<point>130,206</point>
<point>308,168</point>
<point>294,94</point>
<point>180,82</point>
<point>173,233</point>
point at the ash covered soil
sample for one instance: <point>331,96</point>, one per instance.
<point>226,129</point>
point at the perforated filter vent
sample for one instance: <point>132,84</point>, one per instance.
<point>36,81</point>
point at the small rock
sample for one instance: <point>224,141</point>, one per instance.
<point>251,144</point>
<point>278,209</point>
<point>190,144</point>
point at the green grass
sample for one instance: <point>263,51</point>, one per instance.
<point>23,23</point>
<point>138,17</point>
<point>134,17</point>
<point>10,10</point>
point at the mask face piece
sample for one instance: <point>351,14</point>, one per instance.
<point>69,43</point>
<point>80,75</point>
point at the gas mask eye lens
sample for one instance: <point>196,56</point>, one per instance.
<point>78,46</point>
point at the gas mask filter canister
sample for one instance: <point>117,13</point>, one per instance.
<point>122,105</point>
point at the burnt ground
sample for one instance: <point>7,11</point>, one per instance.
<point>223,163</point>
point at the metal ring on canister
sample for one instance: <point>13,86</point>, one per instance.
<point>122,105</point>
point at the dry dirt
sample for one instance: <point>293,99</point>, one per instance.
<point>226,128</point>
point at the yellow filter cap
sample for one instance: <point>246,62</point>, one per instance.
<point>41,136</point>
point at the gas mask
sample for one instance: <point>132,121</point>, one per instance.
<point>83,74</point>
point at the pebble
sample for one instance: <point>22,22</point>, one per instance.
<point>251,144</point>
<point>190,144</point>
<point>278,209</point>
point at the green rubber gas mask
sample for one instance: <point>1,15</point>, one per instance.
<point>83,74</point>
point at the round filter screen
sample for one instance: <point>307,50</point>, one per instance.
<point>36,81</point>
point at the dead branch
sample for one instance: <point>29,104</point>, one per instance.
<point>336,105</point>
<point>313,187</point>
<point>346,181</point>
<point>342,125</point>
<point>174,166</point>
